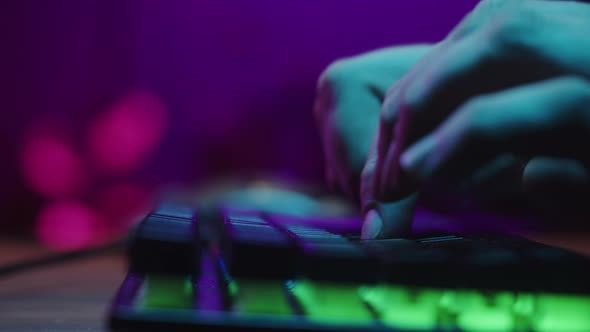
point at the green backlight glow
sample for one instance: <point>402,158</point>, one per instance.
<point>523,310</point>
<point>396,306</point>
<point>561,313</point>
<point>471,310</point>
<point>232,288</point>
<point>331,303</point>
<point>261,297</point>
<point>403,307</point>
<point>476,311</point>
<point>171,292</point>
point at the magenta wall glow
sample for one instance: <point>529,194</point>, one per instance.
<point>108,98</point>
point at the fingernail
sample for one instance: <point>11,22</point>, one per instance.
<point>372,225</point>
<point>414,159</point>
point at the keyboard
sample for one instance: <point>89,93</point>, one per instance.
<point>244,270</point>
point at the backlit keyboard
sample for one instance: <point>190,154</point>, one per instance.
<point>247,271</point>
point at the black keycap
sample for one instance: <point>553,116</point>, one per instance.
<point>337,260</point>
<point>388,247</point>
<point>174,210</point>
<point>407,261</point>
<point>165,243</point>
<point>255,249</point>
<point>304,234</point>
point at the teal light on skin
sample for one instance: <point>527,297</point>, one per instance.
<point>167,292</point>
<point>260,297</point>
<point>348,105</point>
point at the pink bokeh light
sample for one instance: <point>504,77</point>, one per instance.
<point>51,167</point>
<point>69,225</point>
<point>123,137</point>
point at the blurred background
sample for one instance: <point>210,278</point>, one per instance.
<point>104,103</point>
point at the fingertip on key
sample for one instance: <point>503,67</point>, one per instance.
<point>372,225</point>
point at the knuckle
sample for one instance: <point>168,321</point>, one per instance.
<point>326,90</point>
<point>329,82</point>
<point>488,5</point>
<point>337,72</point>
<point>478,16</point>
<point>345,71</point>
<point>517,27</point>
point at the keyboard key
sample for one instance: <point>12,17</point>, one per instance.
<point>165,245</point>
<point>174,210</point>
<point>389,247</point>
<point>494,257</point>
<point>167,292</point>
<point>307,234</point>
<point>403,307</point>
<point>261,297</point>
<point>523,311</point>
<point>562,313</point>
<point>476,311</point>
<point>333,303</point>
<point>255,249</point>
<point>251,257</point>
<point>244,216</point>
<point>340,261</point>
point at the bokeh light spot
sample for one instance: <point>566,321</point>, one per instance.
<point>123,137</point>
<point>69,225</point>
<point>51,167</point>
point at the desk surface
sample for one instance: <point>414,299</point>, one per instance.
<point>67,297</point>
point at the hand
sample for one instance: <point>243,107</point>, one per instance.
<point>509,83</point>
<point>350,93</point>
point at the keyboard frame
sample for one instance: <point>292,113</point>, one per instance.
<point>124,315</point>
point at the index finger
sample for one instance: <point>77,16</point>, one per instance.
<point>382,219</point>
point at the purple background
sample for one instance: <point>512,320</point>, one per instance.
<point>236,77</point>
